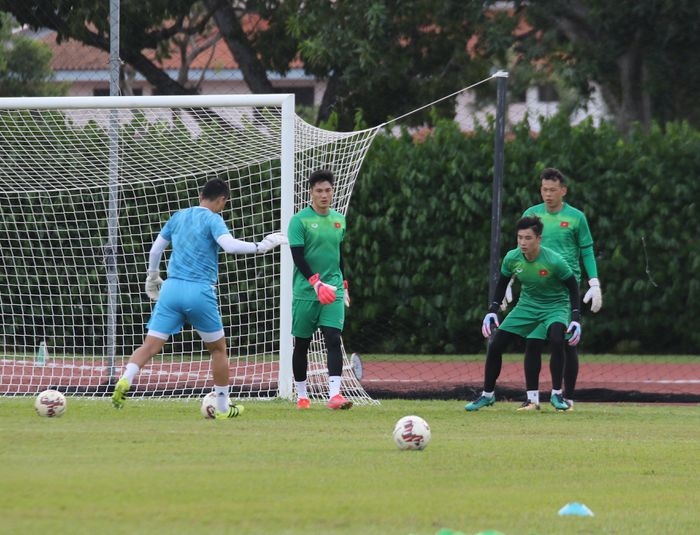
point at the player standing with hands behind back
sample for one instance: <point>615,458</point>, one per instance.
<point>565,231</point>
<point>320,292</point>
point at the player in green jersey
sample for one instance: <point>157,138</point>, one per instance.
<point>320,291</point>
<point>548,299</point>
<point>565,231</point>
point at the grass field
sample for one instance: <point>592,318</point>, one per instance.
<point>158,467</point>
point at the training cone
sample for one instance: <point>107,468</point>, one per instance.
<point>575,509</point>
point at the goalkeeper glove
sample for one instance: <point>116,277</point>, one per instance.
<point>594,295</point>
<point>575,330</point>
<point>489,318</point>
<point>153,284</point>
<point>508,298</point>
<point>346,295</point>
<point>271,241</point>
<point>324,292</point>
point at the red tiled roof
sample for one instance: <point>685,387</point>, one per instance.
<point>71,55</point>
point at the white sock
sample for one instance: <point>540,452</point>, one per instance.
<point>487,394</point>
<point>533,396</point>
<point>301,389</point>
<point>556,391</point>
<point>130,371</point>
<point>570,402</point>
<point>333,386</point>
<point>221,398</point>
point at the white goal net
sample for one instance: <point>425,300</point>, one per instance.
<point>85,186</point>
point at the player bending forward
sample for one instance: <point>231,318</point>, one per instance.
<point>548,298</point>
<point>189,293</point>
<point>320,291</point>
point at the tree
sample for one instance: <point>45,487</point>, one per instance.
<point>25,69</point>
<point>380,56</point>
<point>641,54</point>
<point>152,31</point>
<point>387,58</point>
<point>87,21</point>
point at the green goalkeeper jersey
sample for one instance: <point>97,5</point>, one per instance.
<point>567,233</point>
<point>321,236</point>
<point>541,279</point>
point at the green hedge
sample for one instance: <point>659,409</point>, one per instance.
<point>419,227</point>
<point>418,244</point>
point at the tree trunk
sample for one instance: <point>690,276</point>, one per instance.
<point>330,96</point>
<point>161,82</point>
<point>254,73</point>
<point>634,103</point>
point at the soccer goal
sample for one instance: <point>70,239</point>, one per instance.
<point>85,186</point>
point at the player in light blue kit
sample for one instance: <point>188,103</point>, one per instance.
<point>188,295</point>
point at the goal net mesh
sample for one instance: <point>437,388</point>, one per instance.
<point>78,213</point>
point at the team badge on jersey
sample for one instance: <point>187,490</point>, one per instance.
<point>543,272</point>
<point>564,224</point>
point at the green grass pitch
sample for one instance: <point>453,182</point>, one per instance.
<point>159,467</point>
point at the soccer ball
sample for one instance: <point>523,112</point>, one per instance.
<point>208,407</point>
<point>50,403</point>
<point>411,433</point>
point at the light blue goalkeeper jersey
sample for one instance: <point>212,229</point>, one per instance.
<point>195,252</point>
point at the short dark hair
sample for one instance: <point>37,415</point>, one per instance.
<point>322,175</point>
<point>215,188</point>
<point>553,174</point>
<point>533,222</point>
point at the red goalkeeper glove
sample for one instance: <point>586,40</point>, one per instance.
<point>324,292</point>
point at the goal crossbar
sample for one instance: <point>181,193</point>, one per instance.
<point>154,101</point>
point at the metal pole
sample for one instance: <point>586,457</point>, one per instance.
<point>113,206</point>
<point>498,163</point>
<point>287,265</point>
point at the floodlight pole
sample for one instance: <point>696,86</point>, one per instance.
<point>498,165</point>
<point>110,252</point>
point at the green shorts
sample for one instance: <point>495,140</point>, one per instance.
<point>307,316</point>
<point>528,322</point>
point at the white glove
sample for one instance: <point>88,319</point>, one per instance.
<point>594,295</point>
<point>508,298</point>
<point>153,284</point>
<point>575,330</point>
<point>486,324</point>
<point>346,294</point>
<point>271,241</point>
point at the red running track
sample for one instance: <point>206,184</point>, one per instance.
<point>399,377</point>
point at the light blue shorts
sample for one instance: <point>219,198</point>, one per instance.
<point>183,302</point>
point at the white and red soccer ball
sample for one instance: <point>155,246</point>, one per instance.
<point>208,406</point>
<point>50,404</point>
<point>412,433</point>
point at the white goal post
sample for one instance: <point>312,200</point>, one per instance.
<point>85,185</point>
